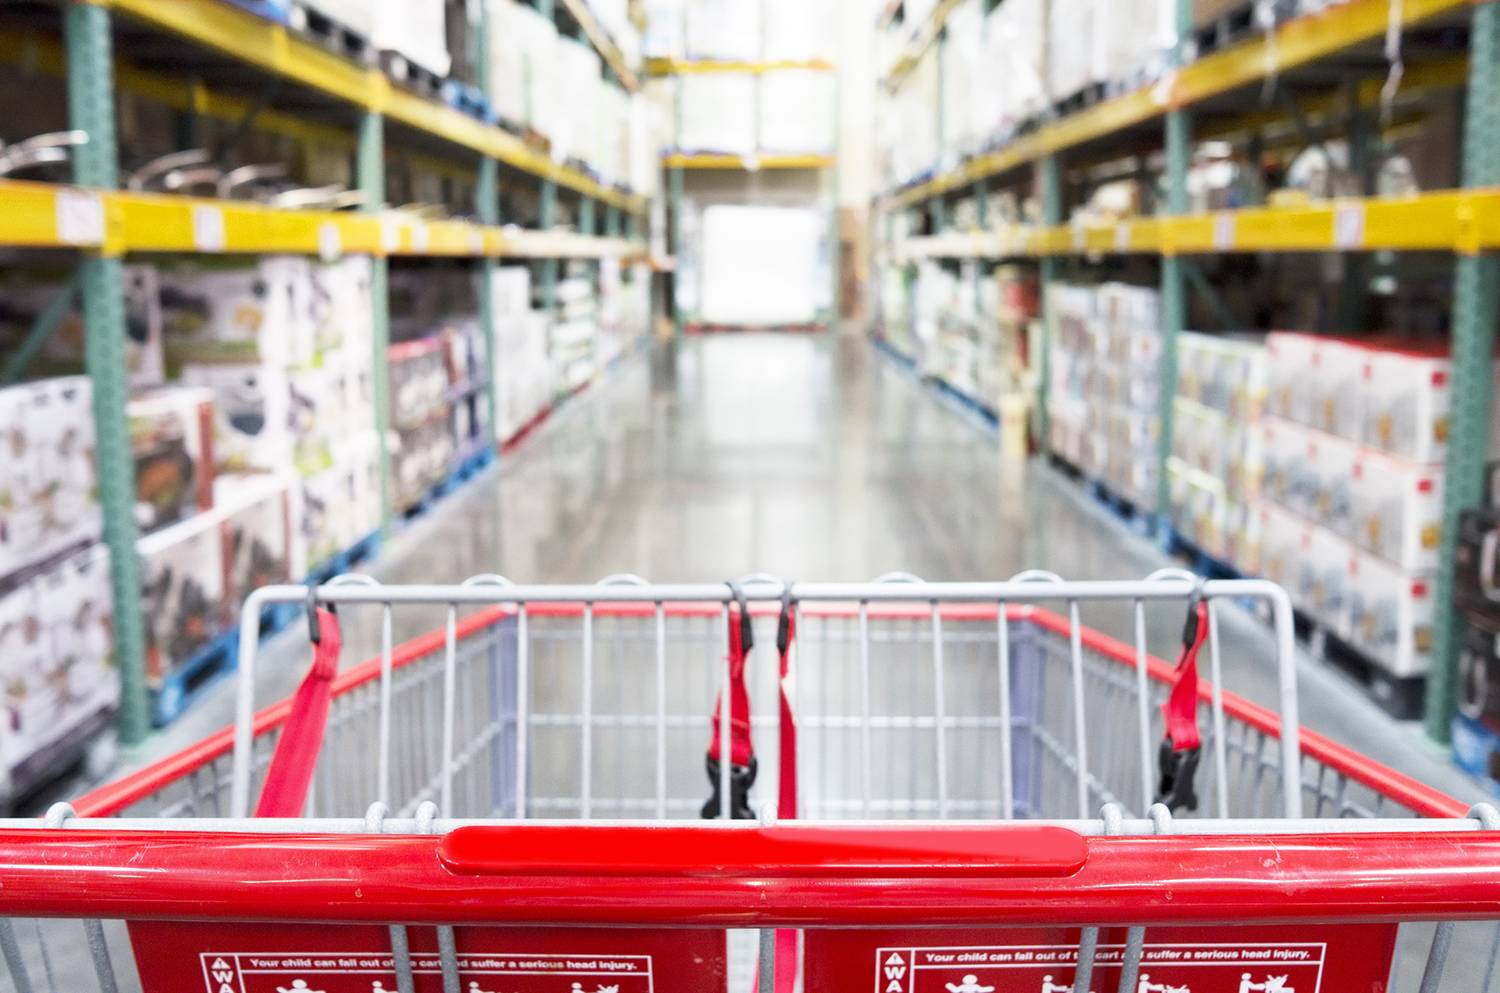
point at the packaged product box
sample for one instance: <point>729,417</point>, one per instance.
<point>49,490</point>
<point>417,32</point>
<point>171,443</point>
<point>57,661</point>
<point>1479,669</point>
<point>718,113</point>
<point>342,307</point>
<point>317,409</point>
<point>1397,509</point>
<point>1476,562</point>
<point>252,414</point>
<point>184,591</point>
<point>1409,400</point>
<point>796,108</point>
<point>1292,377</point>
<point>1310,561</point>
<point>233,310</point>
<point>723,29</point>
<point>793,30</point>
<point>1311,472</point>
<point>1243,537</point>
<point>418,382</point>
<point>26,293</point>
<point>327,525</point>
<point>1390,614</point>
<point>260,513</point>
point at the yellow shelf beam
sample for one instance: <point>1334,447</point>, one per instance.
<point>280,52</point>
<point>1299,41</point>
<point>745,163</point>
<point>693,67</point>
<point>1463,221</point>
<point>922,40</point>
<point>47,215</point>
<point>603,44</point>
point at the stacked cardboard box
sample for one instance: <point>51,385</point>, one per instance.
<point>1217,466</point>
<point>522,371</point>
<point>1354,451</point>
<point>26,293</point>
<point>575,335</point>
<point>422,446</point>
<point>49,492</point>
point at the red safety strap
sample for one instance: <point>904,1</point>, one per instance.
<point>287,780</point>
<point>741,748</point>
<point>1181,708</point>
<point>786,633</point>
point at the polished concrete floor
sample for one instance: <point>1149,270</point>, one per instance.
<point>808,458</point>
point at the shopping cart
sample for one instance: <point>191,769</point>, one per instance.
<point>513,803</point>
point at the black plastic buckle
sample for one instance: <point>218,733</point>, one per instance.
<point>784,623</point>
<point>747,623</point>
<point>314,625</point>
<point>1178,770</point>
<point>1190,626</point>
<point>741,778</point>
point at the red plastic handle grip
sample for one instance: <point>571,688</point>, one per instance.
<point>996,852</point>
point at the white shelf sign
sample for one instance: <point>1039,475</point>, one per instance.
<point>330,242</point>
<point>1122,237</point>
<point>80,217</point>
<point>1223,232</point>
<point>208,228</point>
<point>1349,226</point>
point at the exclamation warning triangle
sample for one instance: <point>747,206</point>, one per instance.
<point>893,960</point>
<point>219,964</point>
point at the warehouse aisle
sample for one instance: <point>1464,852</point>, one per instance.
<point>805,458</point>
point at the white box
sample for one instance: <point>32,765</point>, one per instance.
<point>226,310</point>
<point>796,112</point>
<point>252,414</point>
<point>171,445</point>
<point>1390,614</point>
<point>723,29</point>
<point>795,30</point>
<point>1397,509</point>
<point>183,591</point>
<point>1311,472</point>
<point>416,30</point>
<point>49,498</point>
<point>718,113</point>
<point>260,514</point>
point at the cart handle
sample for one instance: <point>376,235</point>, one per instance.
<point>824,851</point>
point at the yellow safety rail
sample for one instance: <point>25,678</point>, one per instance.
<point>48,215</point>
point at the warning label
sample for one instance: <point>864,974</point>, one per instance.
<point>1163,969</point>
<point>1253,959</point>
<point>253,972</point>
<point>254,958</point>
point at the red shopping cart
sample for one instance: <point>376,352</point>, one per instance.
<point>511,803</point>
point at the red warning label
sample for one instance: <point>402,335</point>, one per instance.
<point>178,958</point>
<point>1173,960</point>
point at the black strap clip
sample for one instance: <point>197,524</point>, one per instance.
<point>314,625</point>
<point>784,623</point>
<point>741,778</point>
<point>1178,770</point>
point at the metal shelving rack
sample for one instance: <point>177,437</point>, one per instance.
<point>104,224</point>
<point>677,160</point>
<point>1465,221</point>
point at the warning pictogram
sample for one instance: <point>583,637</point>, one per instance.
<point>894,971</point>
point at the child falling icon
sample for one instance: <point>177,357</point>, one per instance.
<point>969,985</point>
<point>298,986</point>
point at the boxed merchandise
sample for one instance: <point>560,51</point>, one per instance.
<point>577,73</point>
<point>1390,614</point>
<point>264,545</point>
<point>1476,583</point>
<point>1408,397</point>
<point>1310,472</point>
<point>796,112</point>
<point>794,30</point>
<point>416,31</point>
<point>252,414</point>
<point>418,382</point>
<point>184,591</point>
<point>1479,669</point>
<point>718,113</point>
<point>1397,509</point>
<point>422,458</point>
<point>327,522</point>
<point>1310,561</point>
<point>49,490</point>
<point>171,444</point>
<point>258,310</point>
<point>343,318</point>
<point>57,661</point>
<point>26,293</point>
<point>722,29</point>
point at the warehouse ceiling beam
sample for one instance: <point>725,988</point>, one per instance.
<point>1296,43</point>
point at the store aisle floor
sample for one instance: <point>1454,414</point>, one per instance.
<point>808,458</point>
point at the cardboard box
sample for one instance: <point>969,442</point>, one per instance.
<point>184,591</point>
<point>252,414</point>
<point>718,113</point>
<point>1397,510</point>
<point>1479,669</point>
<point>49,499</point>
<point>171,443</point>
<point>1390,614</point>
<point>260,311</point>
<point>57,660</point>
<point>261,515</point>
<point>26,293</point>
<point>419,383</point>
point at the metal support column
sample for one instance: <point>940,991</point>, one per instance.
<point>487,209</point>
<point>835,218</point>
<point>676,194</point>
<point>1355,266</point>
<point>1476,284</point>
<point>546,220</point>
<point>370,176</point>
<point>91,108</point>
<point>1051,178</point>
<point>1173,281</point>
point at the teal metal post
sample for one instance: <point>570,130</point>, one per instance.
<point>487,209</point>
<point>1476,283</point>
<point>1173,282</point>
<point>370,175</point>
<point>1052,216</point>
<point>611,221</point>
<point>835,225</point>
<point>91,108</point>
<point>547,215</point>
<point>676,194</point>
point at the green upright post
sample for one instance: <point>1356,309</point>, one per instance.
<point>547,216</point>
<point>611,221</point>
<point>1476,282</point>
<point>487,210</point>
<point>1173,282</point>
<point>370,175</point>
<point>91,108</point>
<point>835,227</point>
<point>676,194</point>
<point>1051,216</point>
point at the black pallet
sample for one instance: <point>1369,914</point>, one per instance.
<point>411,76</point>
<point>1402,697</point>
<point>1089,96</point>
<point>330,34</point>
